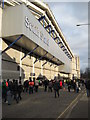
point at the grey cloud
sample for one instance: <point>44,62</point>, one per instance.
<point>79,10</point>
<point>68,15</point>
<point>66,1</point>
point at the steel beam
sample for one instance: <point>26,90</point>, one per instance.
<point>51,31</point>
<point>12,44</point>
<point>56,38</point>
<point>62,46</point>
<point>48,61</point>
<point>51,65</point>
<point>35,61</point>
<point>51,59</point>
<point>43,22</point>
<point>48,26</point>
<point>30,52</point>
<point>56,66</point>
<point>65,50</point>
<point>44,63</point>
<point>67,54</point>
<point>59,43</point>
<point>40,57</point>
<point>42,17</point>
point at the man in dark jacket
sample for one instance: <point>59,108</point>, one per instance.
<point>56,87</point>
<point>15,90</point>
<point>74,85</point>
<point>69,85</point>
<point>50,85</point>
<point>4,90</point>
<point>26,86</point>
<point>20,89</point>
<point>45,84</point>
<point>87,84</point>
<point>31,86</point>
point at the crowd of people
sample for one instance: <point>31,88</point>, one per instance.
<point>75,85</point>
<point>13,89</point>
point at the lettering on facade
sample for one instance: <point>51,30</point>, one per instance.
<point>36,31</point>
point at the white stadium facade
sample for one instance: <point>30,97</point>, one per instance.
<point>32,43</point>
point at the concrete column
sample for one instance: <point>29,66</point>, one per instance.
<point>54,71</point>
<point>0,79</point>
<point>50,73</point>
<point>0,63</point>
<point>33,68</point>
<point>21,63</point>
<point>41,68</point>
<point>0,59</point>
<point>70,76</point>
<point>33,71</point>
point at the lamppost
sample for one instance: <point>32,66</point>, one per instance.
<point>86,24</point>
<point>82,24</point>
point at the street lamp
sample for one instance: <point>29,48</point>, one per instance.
<point>82,24</point>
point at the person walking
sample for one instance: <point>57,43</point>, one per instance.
<point>69,86</point>
<point>50,86</point>
<point>4,91</point>
<point>77,86</point>
<point>87,85</point>
<point>9,91</point>
<point>56,87</point>
<point>45,84</point>
<point>60,84</point>
<point>9,96</point>
<point>20,89</point>
<point>31,85</point>
<point>74,85</point>
<point>26,86</point>
<point>36,85</point>
<point>15,90</point>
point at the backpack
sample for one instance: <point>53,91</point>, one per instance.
<point>6,84</point>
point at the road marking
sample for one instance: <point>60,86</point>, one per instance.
<point>75,100</point>
<point>67,116</point>
<point>84,97</point>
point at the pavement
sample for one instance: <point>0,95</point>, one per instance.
<point>0,107</point>
<point>44,105</point>
<point>79,108</point>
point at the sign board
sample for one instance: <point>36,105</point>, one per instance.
<point>22,21</point>
<point>34,28</point>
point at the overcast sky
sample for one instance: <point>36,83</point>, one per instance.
<point>68,15</point>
